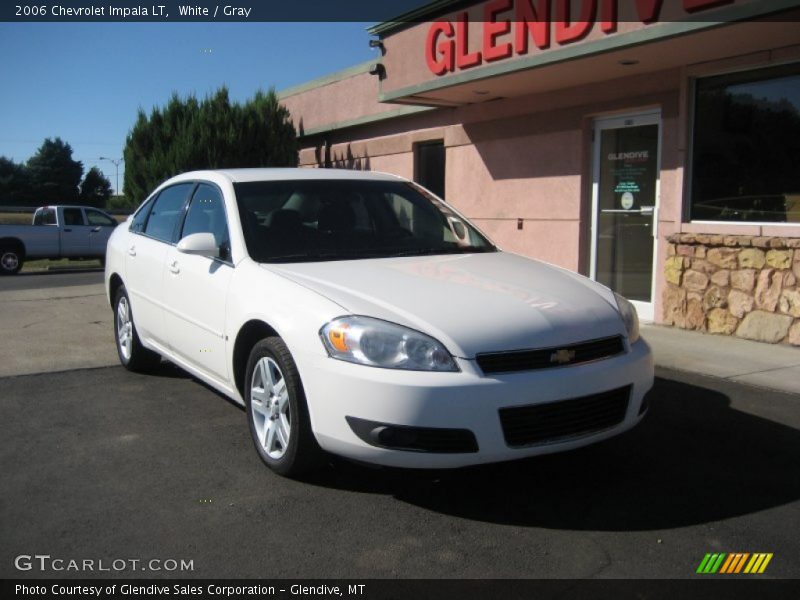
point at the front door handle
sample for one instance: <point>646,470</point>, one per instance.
<point>132,251</point>
<point>96,229</point>
<point>67,230</point>
<point>174,268</point>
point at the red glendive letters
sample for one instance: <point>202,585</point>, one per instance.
<point>513,26</point>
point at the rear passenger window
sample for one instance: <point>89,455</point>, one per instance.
<point>95,217</point>
<point>165,212</point>
<point>73,216</point>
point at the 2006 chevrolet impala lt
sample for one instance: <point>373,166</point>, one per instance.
<point>357,313</point>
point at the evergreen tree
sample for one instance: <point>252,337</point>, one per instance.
<point>95,189</point>
<point>14,184</point>
<point>54,175</point>
<point>213,133</point>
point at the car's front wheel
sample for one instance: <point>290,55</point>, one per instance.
<point>132,354</point>
<point>276,410</point>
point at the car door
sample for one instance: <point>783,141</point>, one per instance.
<point>149,239</point>
<point>74,233</point>
<point>102,226</point>
<point>196,287</point>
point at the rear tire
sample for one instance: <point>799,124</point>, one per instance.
<point>11,260</point>
<point>277,413</point>
<point>132,354</point>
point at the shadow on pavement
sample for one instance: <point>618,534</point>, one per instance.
<point>693,460</point>
<point>60,271</point>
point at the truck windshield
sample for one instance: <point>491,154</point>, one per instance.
<point>312,220</point>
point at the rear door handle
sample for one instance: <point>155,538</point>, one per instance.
<point>96,229</point>
<point>174,268</point>
<point>67,230</point>
<point>132,251</point>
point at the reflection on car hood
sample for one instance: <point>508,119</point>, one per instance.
<point>472,303</point>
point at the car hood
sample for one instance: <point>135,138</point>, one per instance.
<point>472,303</point>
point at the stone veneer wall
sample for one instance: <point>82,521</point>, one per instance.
<point>734,285</point>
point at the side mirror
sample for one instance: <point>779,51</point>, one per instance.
<point>202,244</point>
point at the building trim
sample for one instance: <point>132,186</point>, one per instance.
<point>367,119</point>
<point>327,79</point>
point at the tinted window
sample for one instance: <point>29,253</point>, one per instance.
<point>73,216</point>
<point>95,217</point>
<point>747,147</point>
<point>207,214</point>
<point>344,220</point>
<point>166,211</point>
<point>46,216</point>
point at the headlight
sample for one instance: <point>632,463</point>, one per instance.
<point>628,313</point>
<point>377,343</point>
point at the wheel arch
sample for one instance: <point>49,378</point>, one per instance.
<point>248,336</point>
<point>114,283</point>
<point>13,242</point>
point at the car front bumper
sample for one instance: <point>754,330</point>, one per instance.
<point>467,401</point>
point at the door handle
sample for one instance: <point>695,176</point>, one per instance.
<point>174,268</point>
<point>96,229</point>
<point>132,251</point>
<point>66,230</point>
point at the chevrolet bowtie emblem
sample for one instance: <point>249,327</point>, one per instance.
<point>562,356</point>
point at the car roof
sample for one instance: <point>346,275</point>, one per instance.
<point>70,206</point>
<point>283,174</point>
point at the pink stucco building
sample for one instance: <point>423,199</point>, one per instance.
<point>637,143</point>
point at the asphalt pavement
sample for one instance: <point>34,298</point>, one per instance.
<point>105,463</point>
<point>51,279</point>
<point>100,463</point>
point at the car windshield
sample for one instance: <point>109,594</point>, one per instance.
<point>313,220</point>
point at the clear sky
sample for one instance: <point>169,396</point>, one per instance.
<point>84,82</point>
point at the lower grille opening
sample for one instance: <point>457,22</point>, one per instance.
<point>414,439</point>
<point>556,421</point>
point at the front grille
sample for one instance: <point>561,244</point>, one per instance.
<point>555,421</point>
<point>546,358</point>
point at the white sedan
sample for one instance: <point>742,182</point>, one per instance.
<point>358,314</point>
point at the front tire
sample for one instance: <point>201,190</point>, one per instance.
<point>132,354</point>
<point>277,413</point>
<point>11,260</point>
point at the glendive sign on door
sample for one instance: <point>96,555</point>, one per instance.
<point>514,26</point>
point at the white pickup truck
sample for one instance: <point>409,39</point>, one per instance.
<point>79,232</point>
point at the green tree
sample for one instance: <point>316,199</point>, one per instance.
<point>14,183</point>
<point>54,175</point>
<point>213,133</point>
<point>95,189</point>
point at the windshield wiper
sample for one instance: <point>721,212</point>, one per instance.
<point>434,251</point>
<point>322,256</point>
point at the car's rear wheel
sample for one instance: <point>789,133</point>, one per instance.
<point>132,354</point>
<point>10,260</point>
<point>277,413</point>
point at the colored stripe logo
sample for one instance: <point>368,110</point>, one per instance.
<point>734,563</point>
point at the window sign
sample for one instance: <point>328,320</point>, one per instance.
<point>626,202</point>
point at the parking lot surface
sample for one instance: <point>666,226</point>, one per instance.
<point>105,464</point>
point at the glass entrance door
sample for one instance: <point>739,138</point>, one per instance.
<point>625,206</point>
